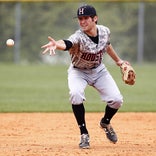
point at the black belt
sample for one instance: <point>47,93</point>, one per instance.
<point>85,68</point>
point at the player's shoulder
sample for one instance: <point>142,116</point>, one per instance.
<point>74,38</point>
<point>103,28</point>
<point>79,32</point>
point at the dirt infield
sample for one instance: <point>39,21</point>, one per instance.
<point>56,134</point>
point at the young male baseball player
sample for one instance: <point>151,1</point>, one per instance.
<point>86,48</point>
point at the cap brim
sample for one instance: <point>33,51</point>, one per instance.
<point>83,15</point>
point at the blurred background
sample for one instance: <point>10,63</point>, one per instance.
<point>32,82</point>
<point>132,26</point>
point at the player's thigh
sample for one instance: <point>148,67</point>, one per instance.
<point>107,87</point>
<point>76,81</point>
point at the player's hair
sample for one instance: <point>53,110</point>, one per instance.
<point>92,18</point>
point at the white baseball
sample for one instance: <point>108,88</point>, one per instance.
<point>10,42</point>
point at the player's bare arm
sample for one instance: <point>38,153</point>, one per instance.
<point>111,52</point>
<point>53,45</point>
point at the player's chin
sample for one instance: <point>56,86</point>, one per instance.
<point>84,28</point>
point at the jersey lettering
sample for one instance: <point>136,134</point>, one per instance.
<point>92,57</point>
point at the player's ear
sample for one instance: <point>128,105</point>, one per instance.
<point>95,19</point>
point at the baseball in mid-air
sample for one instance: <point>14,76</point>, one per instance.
<point>10,42</point>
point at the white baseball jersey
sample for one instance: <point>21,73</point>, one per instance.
<point>85,54</point>
<point>87,68</point>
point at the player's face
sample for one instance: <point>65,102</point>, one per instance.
<point>86,23</point>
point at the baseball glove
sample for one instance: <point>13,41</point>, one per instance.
<point>128,73</point>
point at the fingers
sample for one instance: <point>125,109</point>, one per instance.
<point>50,47</point>
<point>45,51</point>
<point>46,45</point>
<point>52,51</point>
<point>51,39</point>
<point>51,43</point>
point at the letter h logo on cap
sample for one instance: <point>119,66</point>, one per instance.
<point>81,11</point>
<point>86,10</point>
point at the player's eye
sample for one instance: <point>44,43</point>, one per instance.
<point>83,18</point>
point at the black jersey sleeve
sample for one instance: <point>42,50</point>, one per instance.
<point>68,44</point>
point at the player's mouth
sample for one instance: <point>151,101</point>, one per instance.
<point>84,26</point>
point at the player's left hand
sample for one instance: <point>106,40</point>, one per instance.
<point>50,47</point>
<point>128,73</point>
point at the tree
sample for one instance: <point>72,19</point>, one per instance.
<point>150,31</point>
<point>41,19</point>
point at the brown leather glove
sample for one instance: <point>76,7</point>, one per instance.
<point>128,73</point>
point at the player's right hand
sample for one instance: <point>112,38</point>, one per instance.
<point>50,47</point>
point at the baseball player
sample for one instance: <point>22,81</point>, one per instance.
<point>86,48</point>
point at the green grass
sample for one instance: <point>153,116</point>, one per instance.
<point>43,88</point>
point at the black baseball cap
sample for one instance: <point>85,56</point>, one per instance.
<point>86,10</point>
